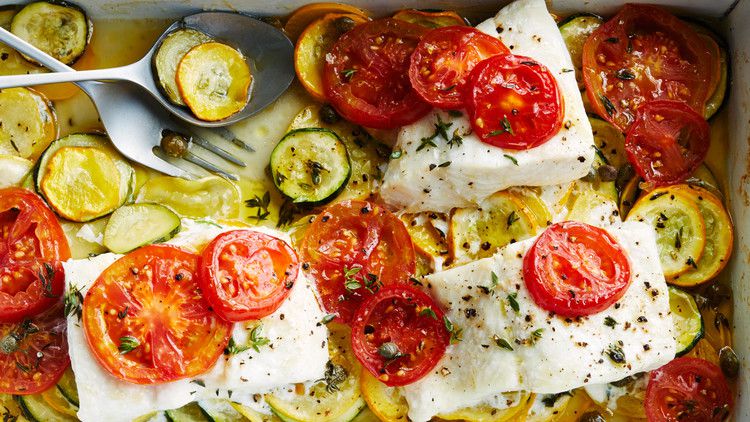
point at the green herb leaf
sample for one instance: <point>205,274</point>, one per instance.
<point>506,128</point>
<point>494,280</point>
<point>501,342</point>
<point>513,302</point>
<point>128,344</point>
<point>535,336</point>
<point>328,318</point>
<point>348,73</point>
<point>610,322</point>
<point>428,312</point>
<point>256,340</point>
<point>511,158</point>
<point>444,164</point>
<point>616,354</point>
<point>455,113</point>
<point>625,74</point>
<point>261,204</point>
<point>46,277</point>
<point>455,332</point>
<point>608,106</point>
<point>334,376</point>
<point>678,239</point>
<point>512,218</point>
<point>73,302</point>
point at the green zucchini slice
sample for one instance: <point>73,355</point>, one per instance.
<point>310,165</point>
<point>679,226</point>
<point>36,409</point>
<point>132,226</point>
<point>220,411</point>
<point>67,386</point>
<point>716,100</point>
<point>59,29</point>
<point>172,49</point>
<point>13,170</point>
<point>83,177</point>
<point>688,322</point>
<point>574,31</point>
<point>189,413</point>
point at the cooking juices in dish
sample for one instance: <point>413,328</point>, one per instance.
<point>434,221</point>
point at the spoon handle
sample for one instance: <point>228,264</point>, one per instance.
<point>117,73</point>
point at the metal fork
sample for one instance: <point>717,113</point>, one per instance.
<point>136,123</point>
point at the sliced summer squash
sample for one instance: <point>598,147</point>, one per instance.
<point>310,165</point>
<point>60,30</point>
<point>688,322</point>
<point>387,403</point>
<point>85,239</point>
<point>214,81</point>
<point>430,19</point>
<point>54,398</point>
<point>83,177</point>
<point>574,30</point>
<point>220,411</point>
<point>13,170</point>
<point>719,238</point>
<point>28,122</point>
<point>313,45</point>
<point>172,49</point>
<point>365,152</point>
<point>155,223</point>
<point>36,409</point>
<point>319,403</point>
<point>679,226</point>
<point>305,15</point>
<point>188,413</point>
<point>477,233</point>
<point>67,386</point>
<point>485,413</point>
<point>209,197</point>
<point>426,237</point>
<point>716,100</point>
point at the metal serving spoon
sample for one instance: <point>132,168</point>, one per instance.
<point>270,57</point>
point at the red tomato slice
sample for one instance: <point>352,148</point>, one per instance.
<point>688,390</point>
<point>575,269</point>
<point>645,53</point>
<point>33,352</point>
<point>146,321</point>
<point>31,245</point>
<point>351,250</point>
<point>247,274</point>
<point>667,142</point>
<point>514,102</point>
<point>441,63</point>
<point>366,76</point>
<point>399,334</point>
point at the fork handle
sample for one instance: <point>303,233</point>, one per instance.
<point>40,56</point>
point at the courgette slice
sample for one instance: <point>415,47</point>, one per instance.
<point>36,409</point>
<point>82,177</point>
<point>209,197</point>
<point>719,238</point>
<point>386,402</point>
<point>132,226</point>
<point>172,49</point>
<point>499,220</point>
<point>688,322</point>
<point>59,29</point>
<point>28,122</point>
<point>321,403</point>
<point>679,226</point>
<point>534,204</point>
<point>609,142</point>
<point>214,81</point>
<point>430,19</point>
<point>67,386</point>
<point>13,170</point>
<point>427,239</point>
<point>189,413</point>
<point>310,165</point>
<point>220,411</point>
<point>574,31</point>
<point>54,398</point>
<point>486,413</point>
<point>719,52</point>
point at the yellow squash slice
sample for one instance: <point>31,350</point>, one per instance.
<point>386,402</point>
<point>214,81</point>
<point>27,123</point>
<point>305,15</point>
<point>212,197</point>
<point>168,56</point>
<point>484,413</point>
<point>430,19</point>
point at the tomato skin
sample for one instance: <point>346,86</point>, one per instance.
<point>561,274</point>
<point>356,234</point>
<point>32,244</point>
<point>514,102</point>
<point>443,59</point>
<point>23,371</point>
<point>246,257</point>
<point>688,390</point>
<point>152,295</point>
<point>396,314</point>
<point>654,142</point>
<point>366,74</point>
<point>624,64</point>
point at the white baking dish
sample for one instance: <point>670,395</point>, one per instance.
<point>732,17</point>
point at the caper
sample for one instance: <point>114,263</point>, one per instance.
<point>329,115</point>
<point>607,173</point>
<point>389,350</point>
<point>174,144</point>
<point>593,416</point>
<point>344,24</point>
<point>728,361</point>
<point>8,344</point>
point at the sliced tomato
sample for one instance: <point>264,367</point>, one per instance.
<point>366,76</point>
<point>645,53</point>
<point>688,390</point>
<point>146,320</point>
<point>246,274</point>
<point>513,102</point>
<point>33,352</point>
<point>575,269</point>
<point>351,250</point>
<point>667,142</point>
<point>399,334</point>
<point>32,244</point>
<point>441,63</point>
